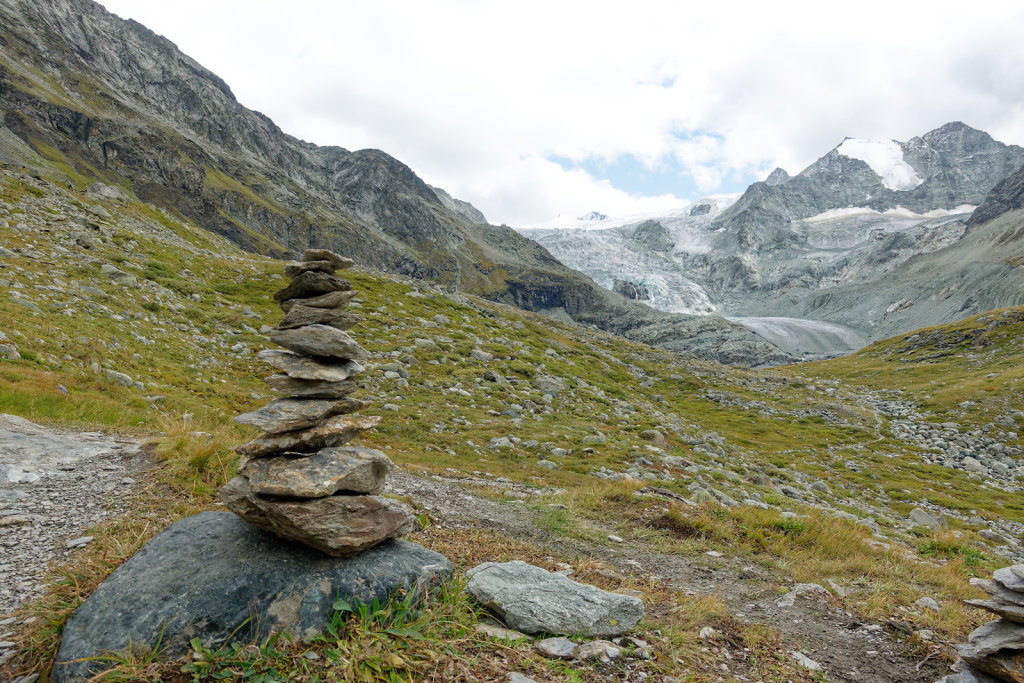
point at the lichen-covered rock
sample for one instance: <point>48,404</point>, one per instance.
<point>289,414</point>
<point>324,473</point>
<point>301,367</point>
<point>334,431</point>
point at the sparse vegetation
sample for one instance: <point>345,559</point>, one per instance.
<point>786,477</point>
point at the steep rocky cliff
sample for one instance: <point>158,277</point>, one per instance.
<point>86,96</point>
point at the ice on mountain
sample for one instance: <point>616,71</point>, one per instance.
<point>885,157</point>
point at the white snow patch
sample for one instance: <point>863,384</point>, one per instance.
<point>718,202</point>
<point>897,212</point>
<point>885,157</point>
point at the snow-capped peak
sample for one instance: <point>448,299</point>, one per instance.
<point>592,216</point>
<point>885,157</point>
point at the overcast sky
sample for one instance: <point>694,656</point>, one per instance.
<point>532,109</point>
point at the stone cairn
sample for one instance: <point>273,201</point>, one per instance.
<point>995,651</point>
<point>299,481</point>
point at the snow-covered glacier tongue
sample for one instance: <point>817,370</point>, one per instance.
<point>805,338</point>
<point>639,256</point>
<point>817,263</point>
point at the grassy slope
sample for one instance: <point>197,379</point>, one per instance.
<point>746,434</point>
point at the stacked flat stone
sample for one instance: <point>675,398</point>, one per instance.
<point>995,651</point>
<point>300,481</point>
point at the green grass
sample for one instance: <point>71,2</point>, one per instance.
<point>198,355</point>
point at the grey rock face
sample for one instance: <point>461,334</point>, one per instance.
<point>299,316</point>
<point>334,431</point>
<point>339,525</point>
<point>311,388</point>
<point>830,246</point>
<point>1010,578</point>
<point>290,414</point>
<point>325,255</point>
<point>1007,195</point>
<point>998,592</point>
<point>324,473</point>
<point>531,600</point>
<point>301,367</point>
<point>1004,665</point>
<point>923,518</point>
<point>320,341</point>
<point>654,235</point>
<point>996,635</point>
<point>311,284</point>
<point>207,575</point>
<point>296,268</point>
<point>330,300</point>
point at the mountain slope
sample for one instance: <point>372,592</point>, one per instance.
<point>89,97</point>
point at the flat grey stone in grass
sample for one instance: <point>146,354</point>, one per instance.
<point>319,340</point>
<point>923,518</point>
<point>300,367</point>
<point>531,600</point>
<point>338,299</point>
<point>334,431</point>
<point>209,574</point>
<point>311,284</point>
<point>556,648</point>
<point>310,388</point>
<point>339,526</point>
<point>324,473</point>
<point>300,316</point>
<point>289,414</point>
<point>336,260</point>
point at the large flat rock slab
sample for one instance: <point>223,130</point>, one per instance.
<point>533,600</point>
<point>205,575</point>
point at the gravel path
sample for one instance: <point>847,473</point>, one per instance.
<point>53,486</point>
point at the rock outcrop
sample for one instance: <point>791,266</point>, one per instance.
<point>216,578</point>
<point>995,650</point>
<point>301,482</point>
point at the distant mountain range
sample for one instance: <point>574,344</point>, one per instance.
<point>841,248</point>
<point>87,97</point>
<point>831,258</point>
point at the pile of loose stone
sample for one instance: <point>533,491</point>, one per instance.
<point>995,651</point>
<point>300,481</point>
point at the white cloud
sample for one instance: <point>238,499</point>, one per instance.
<point>476,95</point>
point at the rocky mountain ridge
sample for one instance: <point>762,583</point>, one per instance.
<point>86,96</point>
<point>835,244</point>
